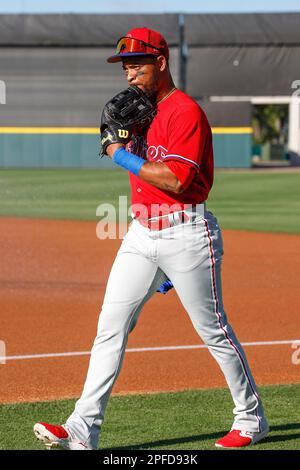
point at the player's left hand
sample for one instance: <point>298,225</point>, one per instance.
<point>113,137</point>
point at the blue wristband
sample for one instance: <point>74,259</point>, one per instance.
<point>129,161</point>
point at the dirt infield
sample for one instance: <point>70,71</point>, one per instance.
<point>52,281</point>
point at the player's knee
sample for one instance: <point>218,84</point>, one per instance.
<point>213,337</point>
<point>114,322</point>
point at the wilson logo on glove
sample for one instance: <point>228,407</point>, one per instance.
<point>123,133</point>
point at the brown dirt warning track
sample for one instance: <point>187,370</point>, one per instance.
<point>52,281</point>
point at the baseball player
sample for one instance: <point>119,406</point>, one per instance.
<point>173,240</point>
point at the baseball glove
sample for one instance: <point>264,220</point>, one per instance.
<point>126,114</point>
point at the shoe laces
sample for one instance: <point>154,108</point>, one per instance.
<point>246,434</point>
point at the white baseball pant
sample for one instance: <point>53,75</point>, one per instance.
<point>190,256</point>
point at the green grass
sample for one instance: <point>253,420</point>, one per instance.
<point>263,201</point>
<point>59,194</point>
<point>170,421</point>
<point>258,201</point>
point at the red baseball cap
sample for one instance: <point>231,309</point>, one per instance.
<point>140,42</point>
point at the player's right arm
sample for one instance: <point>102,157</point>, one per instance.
<point>188,132</point>
<point>156,173</point>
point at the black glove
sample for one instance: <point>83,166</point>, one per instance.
<point>127,113</point>
<point>113,135</point>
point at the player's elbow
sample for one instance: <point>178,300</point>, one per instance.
<point>178,187</point>
<point>172,183</point>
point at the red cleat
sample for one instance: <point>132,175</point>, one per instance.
<point>236,438</point>
<point>59,436</point>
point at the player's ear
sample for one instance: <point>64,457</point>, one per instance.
<point>162,63</point>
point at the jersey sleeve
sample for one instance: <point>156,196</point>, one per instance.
<point>187,133</point>
<point>185,173</point>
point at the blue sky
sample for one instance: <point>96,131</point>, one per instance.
<point>150,6</point>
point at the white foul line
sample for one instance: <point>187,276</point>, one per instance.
<point>158,348</point>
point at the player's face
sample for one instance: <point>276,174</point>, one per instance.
<point>142,72</point>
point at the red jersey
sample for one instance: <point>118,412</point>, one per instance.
<point>180,136</point>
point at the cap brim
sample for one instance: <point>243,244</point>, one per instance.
<point>119,57</point>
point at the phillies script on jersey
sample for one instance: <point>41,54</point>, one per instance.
<point>180,136</point>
